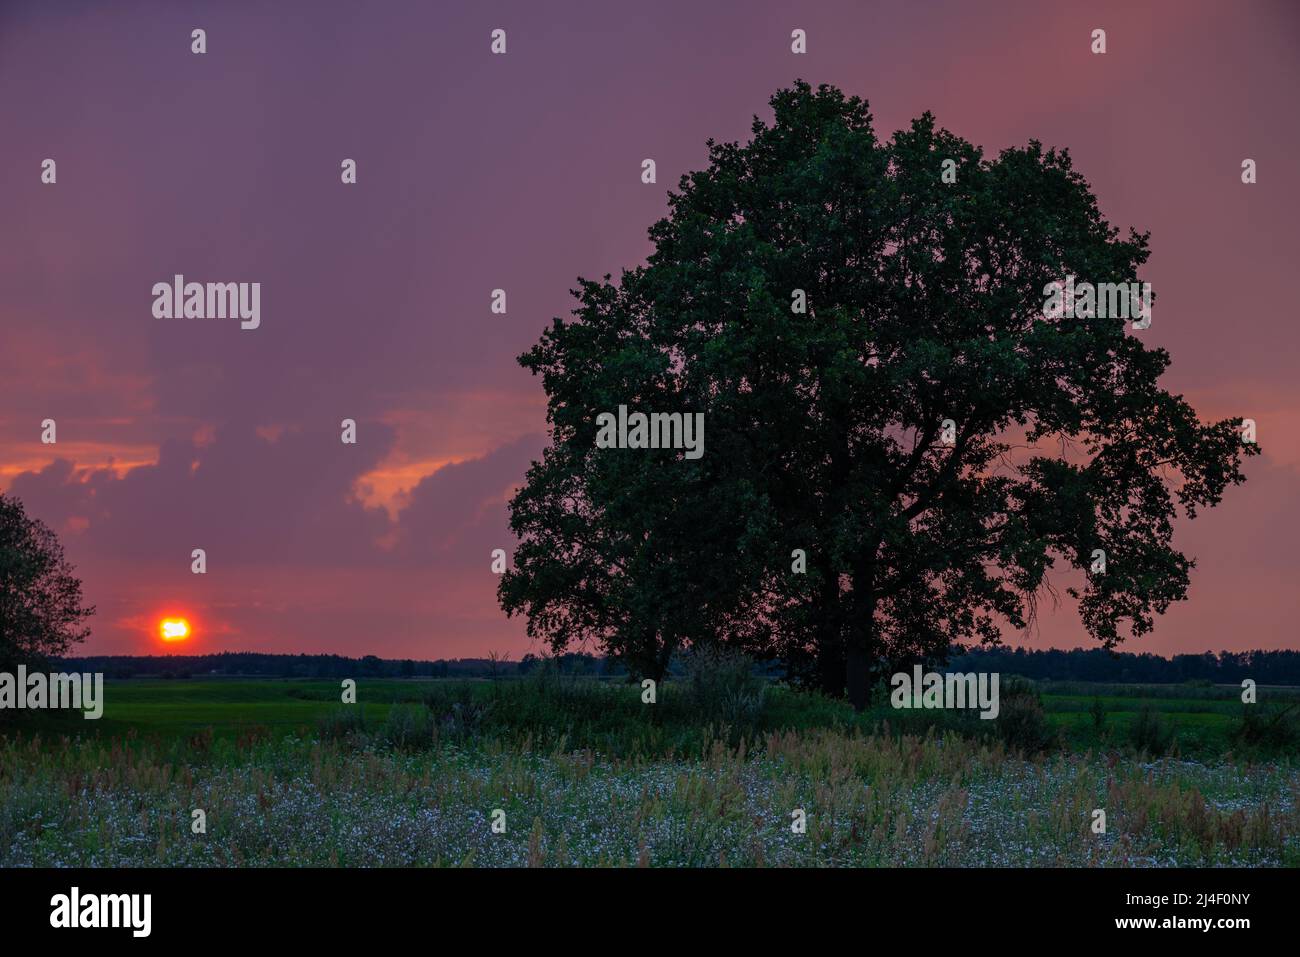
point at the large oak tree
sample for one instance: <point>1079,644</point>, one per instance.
<point>922,431</point>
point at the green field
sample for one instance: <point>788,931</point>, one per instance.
<point>1203,719</point>
<point>586,774</point>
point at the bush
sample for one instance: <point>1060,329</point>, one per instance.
<point>552,698</point>
<point>1021,722</point>
<point>1150,733</point>
<point>408,728</point>
<point>1267,730</point>
<point>457,711</point>
<point>1098,712</point>
<point>339,723</point>
<point>723,689</point>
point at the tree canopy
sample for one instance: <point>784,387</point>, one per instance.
<point>883,389</point>
<point>41,614</point>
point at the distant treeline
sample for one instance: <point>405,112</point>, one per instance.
<point>1264,667</point>
<point>254,664</point>
<point>1097,664</point>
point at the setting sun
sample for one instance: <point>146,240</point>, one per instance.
<point>174,629</point>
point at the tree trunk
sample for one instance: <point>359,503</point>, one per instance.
<point>859,675</point>
<point>830,639</point>
<point>659,662</point>
<point>861,641</point>
<point>831,675</point>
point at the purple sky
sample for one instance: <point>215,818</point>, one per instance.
<point>522,172</point>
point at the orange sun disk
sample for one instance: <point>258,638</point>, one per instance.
<point>174,629</point>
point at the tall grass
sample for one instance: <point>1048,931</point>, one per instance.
<point>870,800</point>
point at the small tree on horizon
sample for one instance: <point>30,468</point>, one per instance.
<point>922,430</point>
<point>41,614</point>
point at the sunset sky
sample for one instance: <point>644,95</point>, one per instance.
<point>523,172</point>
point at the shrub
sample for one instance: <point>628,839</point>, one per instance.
<point>457,711</point>
<point>1098,712</point>
<point>408,728</point>
<point>549,698</point>
<point>339,723</point>
<point>722,688</point>
<point>1150,733</point>
<point>1021,722</point>
<point>1267,730</point>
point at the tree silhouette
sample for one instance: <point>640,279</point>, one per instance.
<point>40,599</point>
<point>923,431</point>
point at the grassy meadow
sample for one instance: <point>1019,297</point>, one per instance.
<point>711,774</point>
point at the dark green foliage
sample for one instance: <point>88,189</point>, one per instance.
<point>1279,666</point>
<point>549,707</point>
<point>457,711</point>
<point>1021,723</point>
<point>724,689</point>
<point>608,715</point>
<point>41,614</point>
<point>1098,712</point>
<point>1150,733</point>
<point>341,722</point>
<point>408,728</point>
<point>925,304</point>
<point>1268,730</point>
